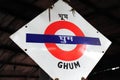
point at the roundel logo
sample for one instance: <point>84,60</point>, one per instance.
<point>50,40</point>
<point>71,55</point>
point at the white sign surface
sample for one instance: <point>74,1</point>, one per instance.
<point>66,47</point>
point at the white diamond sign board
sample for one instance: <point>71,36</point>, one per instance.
<point>63,44</point>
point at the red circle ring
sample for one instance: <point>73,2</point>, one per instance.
<point>71,55</point>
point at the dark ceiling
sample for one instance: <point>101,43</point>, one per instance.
<point>104,15</point>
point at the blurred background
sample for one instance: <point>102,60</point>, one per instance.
<point>104,15</point>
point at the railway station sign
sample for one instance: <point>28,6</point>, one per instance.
<point>63,44</point>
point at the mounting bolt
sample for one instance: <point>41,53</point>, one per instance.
<point>25,49</point>
<point>26,26</point>
<point>103,51</point>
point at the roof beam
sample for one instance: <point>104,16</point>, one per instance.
<point>19,64</point>
<point>102,11</point>
<point>18,76</point>
<point>25,11</point>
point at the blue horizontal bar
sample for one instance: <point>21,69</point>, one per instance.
<point>61,39</point>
